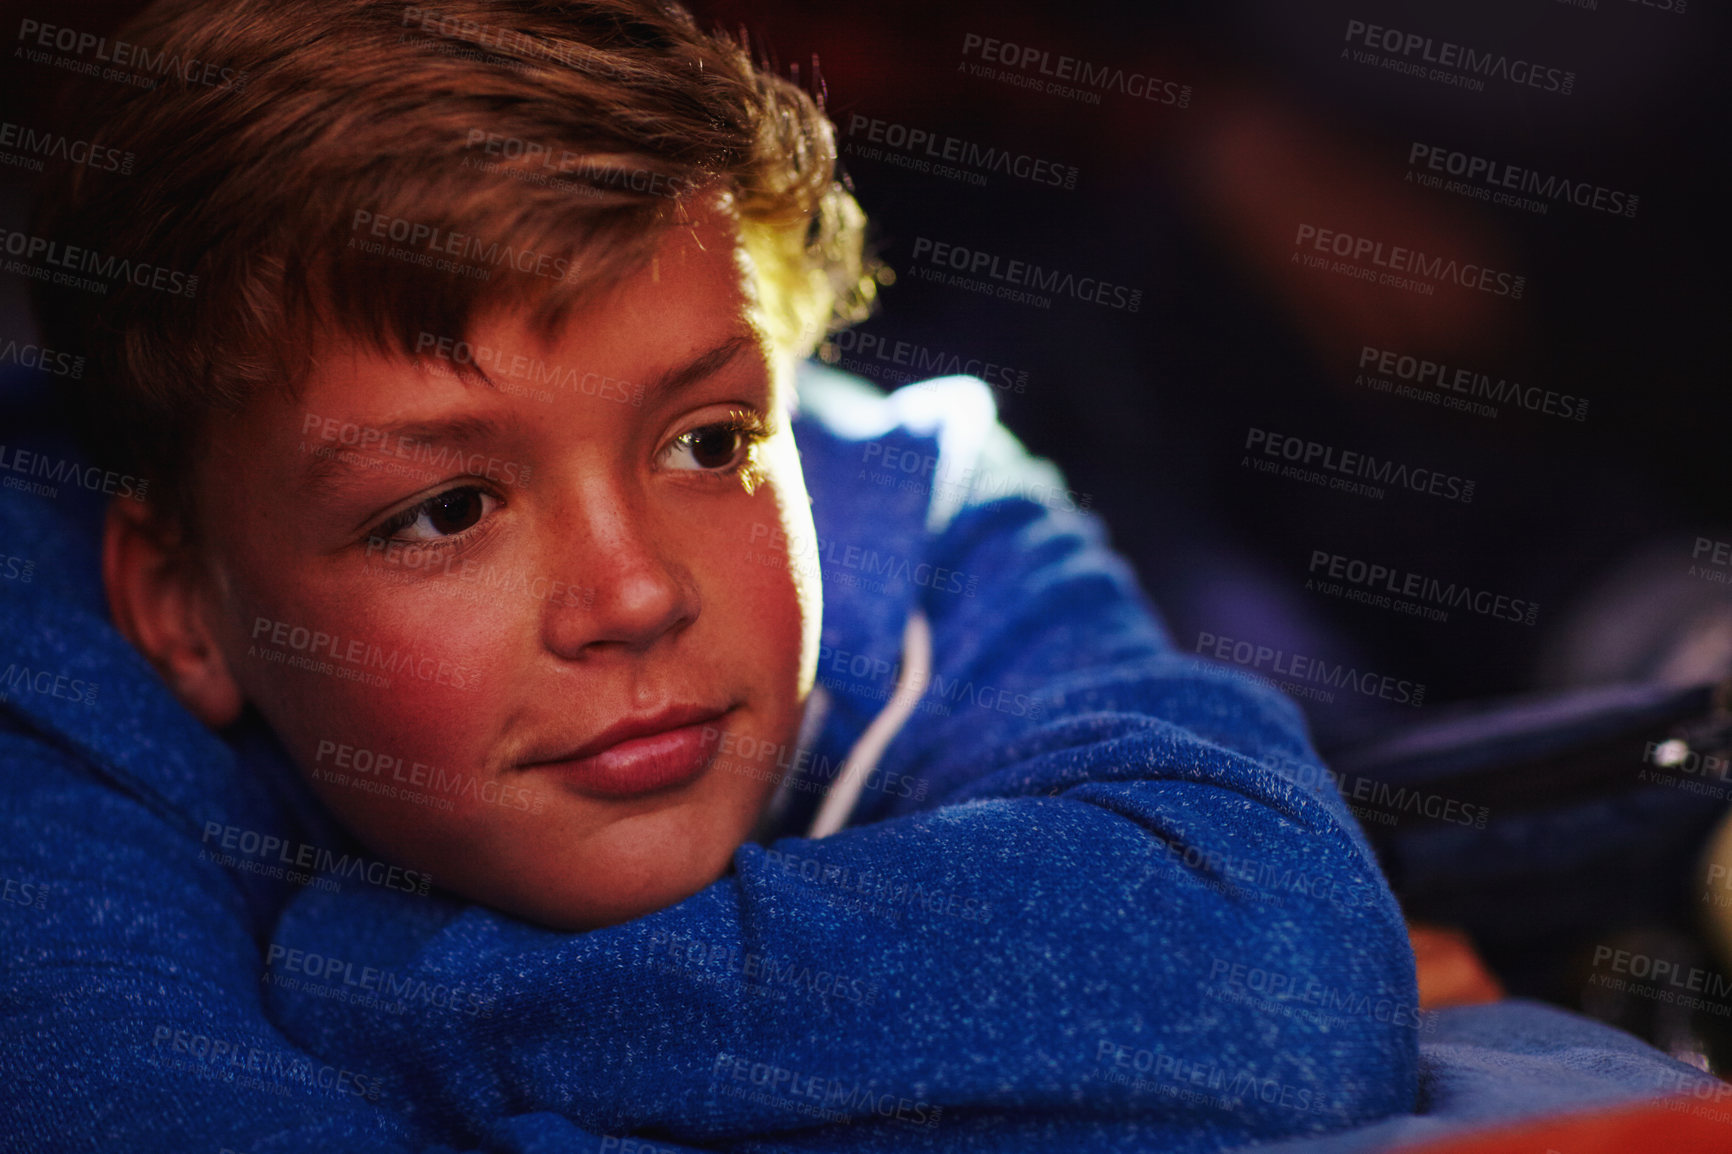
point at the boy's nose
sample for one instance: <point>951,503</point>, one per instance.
<point>633,588</point>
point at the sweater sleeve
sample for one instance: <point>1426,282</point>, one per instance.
<point>1113,917</point>
<point>131,1016</point>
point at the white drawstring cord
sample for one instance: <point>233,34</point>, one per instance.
<point>863,758</point>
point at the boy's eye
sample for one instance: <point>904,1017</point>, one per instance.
<point>442,515</point>
<point>712,448</point>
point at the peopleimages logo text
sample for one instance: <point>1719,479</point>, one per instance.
<point>934,146</point>
<point>96,50</point>
<point>1399,583</point>
<point>1026,275</point>
<point>1363,466</point>
<point>1301,667</point>
<point>1410,262</point>
<point>66,471</point>
<point>75,259</point>
<point>42,143</point>
<point>1497,174</point>
<point>1070,69</point>
<point>1459,58</point>
<point>1471,383</point>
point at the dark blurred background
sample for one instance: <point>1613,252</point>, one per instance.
<point>1198,205</point>
<point>1269,117</point>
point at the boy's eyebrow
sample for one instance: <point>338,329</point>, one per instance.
<point>398,440</point>
<point>682,376</point>
<point>701,366</point>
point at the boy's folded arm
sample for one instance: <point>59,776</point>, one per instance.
<point>1103,951</point>
<point>1088,918</point>
<point>132,1019</point>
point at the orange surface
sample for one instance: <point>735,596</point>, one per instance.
<point>1449,968</point>
<point>1451,974</point>
<point>1683,1125</point>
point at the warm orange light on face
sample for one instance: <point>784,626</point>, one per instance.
<point>503,627</point>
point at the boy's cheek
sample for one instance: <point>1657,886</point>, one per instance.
<point>426,730</point>
<point>400,710</point>
<point>396,764</point>
<point>792,548</point>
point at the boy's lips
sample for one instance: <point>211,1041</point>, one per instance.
<point>641,754</point>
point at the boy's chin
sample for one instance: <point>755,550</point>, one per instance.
<point>598,914</point>
<point>637,891</point>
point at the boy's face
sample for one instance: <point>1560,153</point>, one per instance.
<point>520,637</point>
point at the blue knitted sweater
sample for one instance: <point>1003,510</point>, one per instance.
<point>1088,899</point>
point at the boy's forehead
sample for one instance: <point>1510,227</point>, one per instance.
<point>688,307</point>
<point>670,326</point>
<point>688,312</point>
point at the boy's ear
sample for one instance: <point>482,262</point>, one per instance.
<point>159,604</point>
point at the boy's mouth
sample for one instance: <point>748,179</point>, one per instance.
<point>640,755</point>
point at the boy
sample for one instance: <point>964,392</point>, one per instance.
<point>488,501</point>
